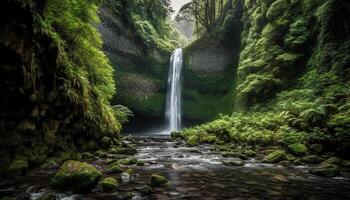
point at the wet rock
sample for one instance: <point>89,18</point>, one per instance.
<point>87,155</point>
<point>100,153</point>
<point>108,184</point>
<point>234,162</point>
<point>192,141</point>
<point>332,160</point>
<point>130,171</point>
<point>146,190</point>
<point>326,170</point>
<point>127,151</point>
<point>316,148</point>
<point>114,168</point>
<point>311,159</point>
<point>140,163</point>
<point>126,178</point>
<point>175,135</point>
<point>285,163</point>
<point>51,164</point>
<point>275,157</point>
<point>297,149</point>
<point>156,180</point>
<point>76,176</point>
<point>128,161</point>
<point>230,154</point>
<point>105,142</point>
<point>17,168</point>
<point>250,153</point>
<point>47,196</point>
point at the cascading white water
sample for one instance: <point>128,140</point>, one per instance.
<point>173,98</point>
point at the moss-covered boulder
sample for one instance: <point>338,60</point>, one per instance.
<point>326,170</point>
<point>192,141</point>
<point>18,168</point>
<point>49,165</point>
<point>311,159</point>
<point>128,161</point>
<point>156,180</point>
<point>105,142</point>
<point>140,163</point>
<point>249,153</point>
<point>332,160</point>
<point>297,149</point>
<point>175,134</point>
<point>75,176</point>
<point>146,190</point>
<point>114,168</point>
<point>275,157</point>
<point>108,184</point>
<point>127,151</point>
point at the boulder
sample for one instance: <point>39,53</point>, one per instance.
<point>105,142</point>
<point>18,168</point>
<point>75,176</point>
<point>108,184</point>
<point>146,190</point>
<point>275,157</point>
<point>128,161</point>
<point>234,162</point>
<point>156,180</point>
<point>114,168</point>
<point>297,149</point>
<point>311,159</point>
<point>326,170</point>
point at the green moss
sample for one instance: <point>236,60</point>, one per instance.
<point>128,161</point>
<point>156,180</point>
<point>326,170</point>
<point>192,141</point>
<point>76,176</point>
<point>298,149</point>
<point>108,184</point>
<point>275,157</point>
<point>115,168</point>
<point>17,168</point>
<point>277,8</point>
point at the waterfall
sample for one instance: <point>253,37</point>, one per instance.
<point>173,98</point>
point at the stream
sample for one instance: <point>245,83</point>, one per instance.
<point>194,173</point>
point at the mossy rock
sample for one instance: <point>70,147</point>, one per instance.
<point>100,153</point>
<point>128,161</point>
<point>109,184</point>
<point>17,168</point>
<point>105,142</point>
<point>275,157</point>
<point>232,154</point>
<point>250,153</point>
<point>127,151</point>
<point>146,190</point>
<point>311,159</point>
<point>76,176</point>
<point>326,170</point>
<point>7,198</point>
<point>297,149</point>
<point>332,160</point>
<point>47,196</point>
<point>49,165</point>
<point>87,155</point>
<point>175,135</point>
<point>192,141</point>
<point>234,162</point>
<point>156,180</point>
<point>130,171</point>
<point>285,163</point>
<point>140,163</point>
<point>316,148</point>
<point>115,168</point>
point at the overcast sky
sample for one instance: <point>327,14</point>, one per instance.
<point>177,4</point>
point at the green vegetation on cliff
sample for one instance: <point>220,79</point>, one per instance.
<point>291,87</point>
<point>56,81</point>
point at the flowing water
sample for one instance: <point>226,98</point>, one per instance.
<point>195,173</point>
<point>173,98</point>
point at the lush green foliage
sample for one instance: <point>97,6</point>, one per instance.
<point>89,80</point>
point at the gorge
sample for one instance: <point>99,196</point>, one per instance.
<point>125,99</point>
